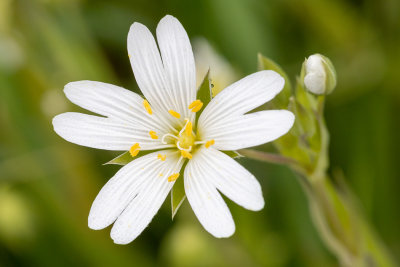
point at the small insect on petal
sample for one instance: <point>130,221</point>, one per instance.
<point>153,135</point>
<point>174,113</point>
<point>134,150</point>
<point>161,157</point>
<point>210,143</point>
<point>186,154</point>
<point>196,105</point>
<point>147,106</point>
<point>173,177</point>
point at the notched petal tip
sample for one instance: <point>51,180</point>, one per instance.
<point>259,205</point>
<point>135,31</point>
<point>121,238</point>
<point>224,232</point>
<point>290,118</point>
<point>94,224</point>
<point>168,18</point>
<point>58,122</point>
<point>274,79</point>
<point>120,241</point>
<point>70,87</point>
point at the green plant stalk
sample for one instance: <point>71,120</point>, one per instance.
<point>338,220</point>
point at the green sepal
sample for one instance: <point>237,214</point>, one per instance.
<point>126,157</point>
<point>204,93</point>
<point>178,194</point>
<point>232,154</point>
<point>282,99</point>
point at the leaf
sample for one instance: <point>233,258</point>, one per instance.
<point>282,99</point>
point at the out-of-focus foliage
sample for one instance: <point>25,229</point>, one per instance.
<point>47,185</point>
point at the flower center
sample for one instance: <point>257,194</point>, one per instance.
<point>185,140</point>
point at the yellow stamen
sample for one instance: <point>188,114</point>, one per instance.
<point>197,108</point>
<point>174,113</point>
<point>173,177</point>
<point>153,135</point>
<point>147,106</point>
<point>210,143</point>
<point>160,174</point>
<point>162,157</point>
<point>188,129</point>
<point>134,150</point>
<point>196,105</point>
<point>186,154</point>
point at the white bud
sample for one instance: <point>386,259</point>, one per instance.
<point>320,75</point>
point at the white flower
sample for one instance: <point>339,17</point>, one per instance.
<point>320,75</point>
<point>165,121</point>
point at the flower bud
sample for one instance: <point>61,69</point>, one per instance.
<point>320,75</point>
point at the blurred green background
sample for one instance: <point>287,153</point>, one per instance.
<point>47,185</point>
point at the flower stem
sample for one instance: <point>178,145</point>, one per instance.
<point>266,157</point>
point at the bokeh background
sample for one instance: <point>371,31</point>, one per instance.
<point>47,184</point>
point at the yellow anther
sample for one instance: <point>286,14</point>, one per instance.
<point>188,129</point>
<point>210,143</point>
<point>196,105</point>
<point>147,106</point>
<point>174,113</point>
<point>173,177</point>
<point>153,135</point>
<point>197,108</point>
<point>160,174</point>
<point>134,150</point>
<point>162,157</point>
<point>129,55</point>
<point>186,154</point>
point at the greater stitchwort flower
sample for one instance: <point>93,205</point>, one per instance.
<point>185,136</point>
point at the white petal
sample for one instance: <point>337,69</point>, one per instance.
<point>102,133</point>
<point>248,130</point>
<point>206,202</point>
<point>113,102</point>
<point>178,60</point>
<point>242,96</point>
<point>119,191</point>
<point>231,178</point>
<point>145,205</point>
<point>148,68</point>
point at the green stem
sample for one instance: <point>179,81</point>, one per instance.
<point>338,220</point>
